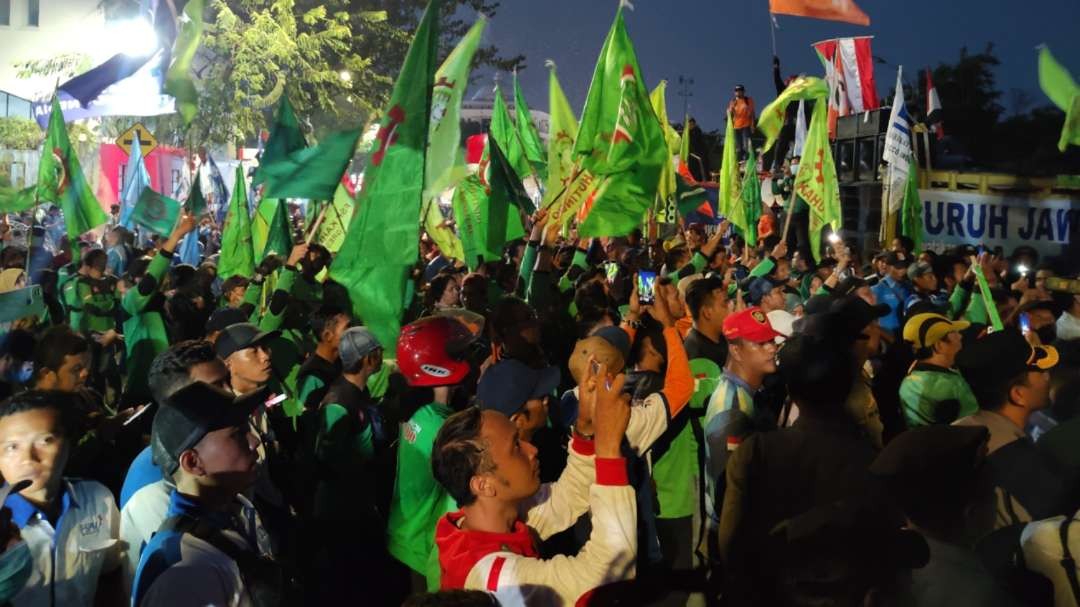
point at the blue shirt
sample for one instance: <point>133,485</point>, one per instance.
<point>141,473</point>
<point>893,294</point>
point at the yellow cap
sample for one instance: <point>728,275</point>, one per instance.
<point>926,329</point>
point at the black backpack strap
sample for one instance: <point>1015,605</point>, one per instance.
<point>1067,560</point>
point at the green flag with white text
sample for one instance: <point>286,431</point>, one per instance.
<point>665,189</point>
<point>237,256</point>
<point>489,215</point>
<point>619,141</point>
<point>382,242</point>
<point>61,180</point>
<point>816,181</point>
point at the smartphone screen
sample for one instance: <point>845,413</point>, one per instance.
<point>611,269</point>
<point>1025,323</point>
<point>646,282</point>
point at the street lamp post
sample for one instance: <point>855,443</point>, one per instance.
<point>685,91</point>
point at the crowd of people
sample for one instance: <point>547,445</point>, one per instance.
<point>752,427</point>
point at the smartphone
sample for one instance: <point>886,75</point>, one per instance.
<point>280,398</point>
<point>611,269</point>
<point>646,280</point>
<point>137,414</point>
<point>1025,323</point>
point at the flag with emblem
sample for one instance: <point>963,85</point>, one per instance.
<point>562,132</point>
<point>530,139</point>
<point>489,213</point>
<point>444,138</point>
<point>285,138</point>
<point>382,242</point>
<point>772,117</point>
<point>816,181</point>
<point>620,142</point>
<point>237,256</point>
<point>155,212</point>
<point>61,180</point>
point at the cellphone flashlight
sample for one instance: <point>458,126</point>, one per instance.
<point>1022,269</point>
<point>834,237</point>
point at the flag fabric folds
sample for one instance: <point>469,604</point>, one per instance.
<point>934,116</point>
<point>772,117</point>
<point>800,129</point>
<point>313,172</point>
<point>237,255</point>
<point>444,137</point>
<point>503,131</point>
<point>136,179</point>
<point>831,10</point>
<point>279,238</point>
<point>89,85</point>
<point>911,216</point>
<point>285,138</point>
<point>1059,86</point>
<point>620,142</point>
<point>750,199</point>
<point>178,82</point>
<point>898,151</point>
<point>331,232</point>
<point>562,132</point>
<point>155,212</point>
<point>381,243</point>
<point>849,69</point>
<point>489,217</point>
<point>816,181</point>
<point>61,180</point>
<point>530,139</point>
<point>665,189</point>
<point>729,177</point>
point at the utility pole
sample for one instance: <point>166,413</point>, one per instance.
<point>685,91</point>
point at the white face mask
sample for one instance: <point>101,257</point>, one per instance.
<point>794,169</point>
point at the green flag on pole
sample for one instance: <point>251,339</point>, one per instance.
<point>237,255</point>
<point>665,189</point>
<point>531,145</point>
<point>619,140</point>
<point>61,180</point>
<point>816,181</point>
<point>562,132</point>
<point>279,238</point>
<point>750,199</point>
<point>689,198</point>
<point>911,213</point>
<point>382,242</point>
<point>1059,86</point>
<point>729,177</point>
<point>684,146</point>
<point>285,138</point>
<point>155,212</point>
<point>489,217</point>
<point>503,131</point>
<point>444,137</point>
<point>195,203</point>
<point>331,232</point>
<point>772,117</point>
<point>313,172</point>
<point>178,82</point>
<point>260,223</point>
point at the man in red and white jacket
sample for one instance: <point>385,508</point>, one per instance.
<point>490,543</point>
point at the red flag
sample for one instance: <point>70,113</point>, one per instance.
<point>832,10</point>
<point>934,116</point>
<point>849,70</point>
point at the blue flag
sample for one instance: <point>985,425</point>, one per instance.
<point>221,193</point>
<point>136,179</point>
<point>88,86</point>
<point>189,249</point>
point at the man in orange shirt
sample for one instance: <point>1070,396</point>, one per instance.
<point>741,110</point>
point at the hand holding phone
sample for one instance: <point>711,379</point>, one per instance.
<point>646,282</point>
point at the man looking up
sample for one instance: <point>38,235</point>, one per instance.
<point>934,392</point>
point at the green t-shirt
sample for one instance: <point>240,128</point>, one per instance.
<point>419,500</point>
<point>674,476</point>
<point>344,449</point>
<point>935,395</point>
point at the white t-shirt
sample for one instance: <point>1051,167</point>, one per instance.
<point>141,517</point>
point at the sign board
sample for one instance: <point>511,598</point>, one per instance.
<point>146,139</point>
<point>1009,220</point>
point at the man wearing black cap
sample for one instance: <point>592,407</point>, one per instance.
<point>766,293</point>
<point>202,439</point>
<point>893,290</point>
<point>1010,379</point>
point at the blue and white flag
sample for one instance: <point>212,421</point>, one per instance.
<point>136,179</point>
<point>898,151</point>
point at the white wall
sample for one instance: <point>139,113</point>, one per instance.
<point>65,26</point>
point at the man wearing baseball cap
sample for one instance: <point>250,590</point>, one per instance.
<point>1010,379</point>
<point>523,394</point>
<point>934,392</point>
<point>894,289</point>
<point>927,297</point>
<point>766,293</point>
<point>201,438</point>
<point>731,414</point>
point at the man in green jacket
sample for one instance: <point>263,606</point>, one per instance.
<point>934,392</point>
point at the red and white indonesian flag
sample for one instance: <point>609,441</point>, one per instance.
<point>849,70</point>
<point>933,107</point>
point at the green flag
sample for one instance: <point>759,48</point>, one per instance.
<point>684,145</point>
<point>382,242</point>
<point>195,203</point>
<point>750,199</point>
<point>772,117</point>
<point>816,181</point>
<point>61,180</point>
<point>1060,87</point>
<point>489,217</point>
<point>729,177</point>
<point>688,198</point>
<point>237,255</point>
<point>285,138</point>
<point>911,213</point>
<point>178,82</point>
<point>260,223</point>
<point>279,238</point>
<point>665,189</point>
<point>444,137</point>
<point>331,232</point>
<point>313,172</point>
<point>503,131</point>
<point>562,132</point>
<point>155,212</point>
<point>526,130</point>
<point>620,140</point>
<point>14,200</point>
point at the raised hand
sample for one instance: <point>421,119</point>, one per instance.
<point>612,413</point>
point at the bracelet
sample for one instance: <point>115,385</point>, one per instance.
<point>574,430</point>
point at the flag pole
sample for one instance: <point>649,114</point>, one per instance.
<point>790,212</point>
<point>315,226</point>
<point>772,31</point>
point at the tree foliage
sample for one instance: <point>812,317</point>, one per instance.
<point>20,134</point>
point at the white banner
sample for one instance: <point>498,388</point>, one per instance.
<point>952,218</point>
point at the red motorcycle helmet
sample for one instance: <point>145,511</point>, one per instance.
<point>431,351</point>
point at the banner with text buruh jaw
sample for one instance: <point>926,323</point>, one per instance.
<point>1046,223</point>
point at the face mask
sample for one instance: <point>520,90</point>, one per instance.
<point>16,565</point>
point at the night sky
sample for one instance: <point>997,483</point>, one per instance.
<point>724,42</point>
